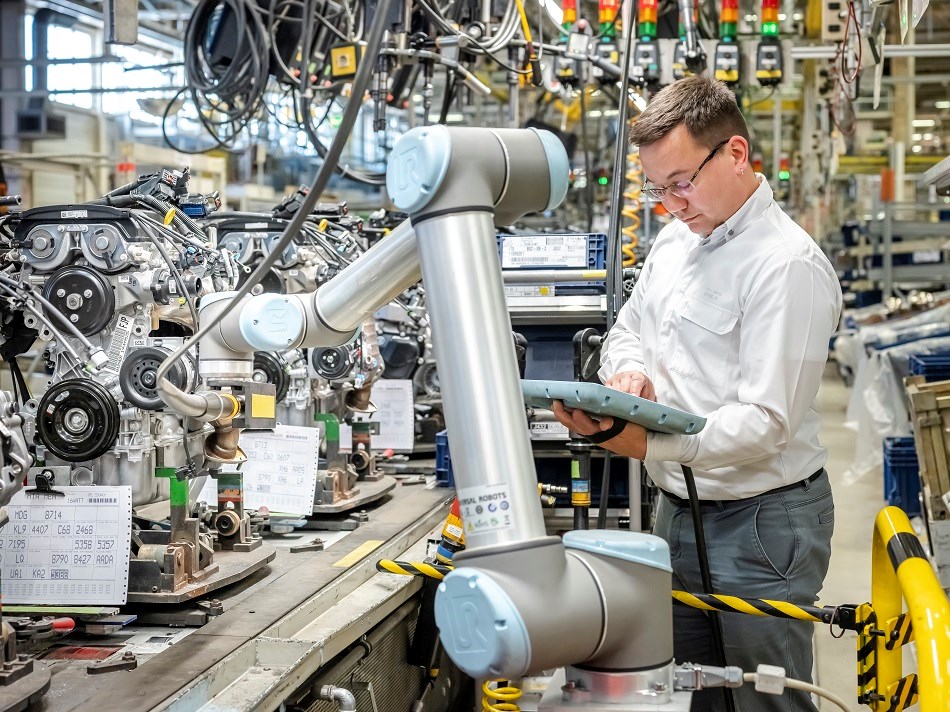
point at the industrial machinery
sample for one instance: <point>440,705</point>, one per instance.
<point>109,289</point>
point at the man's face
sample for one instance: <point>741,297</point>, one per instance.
<point>707,202</point>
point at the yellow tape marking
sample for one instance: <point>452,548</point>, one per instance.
<point>359,553</point>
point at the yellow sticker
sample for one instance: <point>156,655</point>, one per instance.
<point>359,553</point>
<point>263,405</point>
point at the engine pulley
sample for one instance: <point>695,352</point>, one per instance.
<point>271,368</point>
<point>332,363</point>
<point>83,296</point>
<point>138,377</point>
<point>77,420</point>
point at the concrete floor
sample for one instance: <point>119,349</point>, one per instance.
<point>849,577</point>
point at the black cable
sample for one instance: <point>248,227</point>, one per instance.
<point>718,641</point>
<point>604,493</point>
<point>17,374</point>
<point>451,85</point>
<point>361,81</point>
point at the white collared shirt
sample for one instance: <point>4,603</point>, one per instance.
<point>734,327</point>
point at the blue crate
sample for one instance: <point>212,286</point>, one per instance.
<point>596,251</point>
<point>933,367</point>
<point>444,476</point>
<point>902,475</point>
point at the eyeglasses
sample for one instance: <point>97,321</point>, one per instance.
<point>681,188</point>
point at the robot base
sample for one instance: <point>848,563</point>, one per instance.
<point>232,566</point>
<point>370,491</point>
<point>26,691</point>
<point>557,700</point>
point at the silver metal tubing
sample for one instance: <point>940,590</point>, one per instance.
<point>344,699</point>
<point>384,271</point>
<point>478,373</point>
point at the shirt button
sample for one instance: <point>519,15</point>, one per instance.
<point>732,232</point>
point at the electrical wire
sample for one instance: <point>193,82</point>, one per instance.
<point>806,687</point>
<point>360,84</point>
<point>705,575</point>
<point>176,275</point>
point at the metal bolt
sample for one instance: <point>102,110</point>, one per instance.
<point>128,656</point>
<point>73,301</point>
<point>8,666</point>
<point>74,318</point>
<point>87,294</point>
<point>22,657</point>
<point>102,242</point>
<point>60,292</point>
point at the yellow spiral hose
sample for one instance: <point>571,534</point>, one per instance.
<point>633,203</point>
<point>499,699</point>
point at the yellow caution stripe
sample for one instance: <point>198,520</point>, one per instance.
<point>749,606</point>
<point>899,631</point>
<point>903,693</point>
<point>413,568</point>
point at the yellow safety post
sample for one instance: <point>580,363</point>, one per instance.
<point>900,569</point>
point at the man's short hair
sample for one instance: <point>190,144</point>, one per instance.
<point>706,107</point>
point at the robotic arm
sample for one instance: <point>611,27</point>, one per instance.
<point>517,594</point>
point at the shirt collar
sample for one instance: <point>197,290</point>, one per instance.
<point>750,210</point>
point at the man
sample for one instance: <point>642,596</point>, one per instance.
<point>730,319</point>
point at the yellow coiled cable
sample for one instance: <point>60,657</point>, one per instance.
<point>499,699</point>
<point>632,205</point>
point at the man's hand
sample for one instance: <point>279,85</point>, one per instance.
<point>631,442</point>
<point>633,382</point>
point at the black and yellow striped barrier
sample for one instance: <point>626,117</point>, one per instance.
<point>761,607</point>
<point>413,568</point>
<point>900,570</point>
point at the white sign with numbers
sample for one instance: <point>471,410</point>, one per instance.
<point>280,474</point>
<point>67,550</point>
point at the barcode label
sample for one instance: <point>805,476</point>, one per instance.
<point>544,251</point>
<point>119,343</point>
<point>102,500</point>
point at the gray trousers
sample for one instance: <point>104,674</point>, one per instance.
<point>774,546</point>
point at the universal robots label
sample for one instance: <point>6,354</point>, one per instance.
<point>486,508</point>
<point>67,549</point>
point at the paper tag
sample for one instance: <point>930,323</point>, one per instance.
<point>544,251</point>
<point>281,470</point>
<point>395,414</point>
<point>66,214</point>
<point>71,550</point>
<point>346,437</point>
<point>486,508</point>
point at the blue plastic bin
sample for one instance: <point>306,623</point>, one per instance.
<point>444,476</point>
<point>933,367</point>
<point>902,475</point>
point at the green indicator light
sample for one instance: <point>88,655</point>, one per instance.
<point>769,29</point>
<point>602,180</point>
<point>784,175</point>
